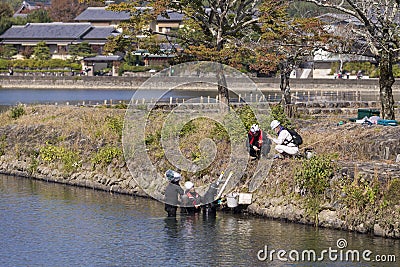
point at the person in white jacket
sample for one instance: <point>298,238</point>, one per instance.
<point>284,143</point>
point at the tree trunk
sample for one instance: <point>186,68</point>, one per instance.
<point>386,80</point>
<point>223,92</point>
<point>286,96</point>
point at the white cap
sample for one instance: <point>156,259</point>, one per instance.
<point>173,176</point>
<point>189,185</point>
<point>254,128</point>
<point>274,124</point>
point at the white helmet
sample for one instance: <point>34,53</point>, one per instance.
<point>189,185</point>
<point>254,128</point>
<point>173,176</point>
<point>274,124</point>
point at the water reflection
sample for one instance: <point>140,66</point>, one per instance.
<point>46,224</point>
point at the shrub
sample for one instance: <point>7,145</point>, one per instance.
<point>69,159</point>
<point>313,177</point>
<point>392,194</point>
<point>3,145</point>
<point>17,111</point>
<point>106,154</point>
<point>360,193</point>
<point>278,113</point>
<point>115,124</point>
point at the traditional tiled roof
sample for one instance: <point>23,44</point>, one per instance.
<point>101,14</point>
<point>43,31</point>
<point>103,58</point>
<point>28,6</point>
<point>100,32</point>
<point>172,16</point>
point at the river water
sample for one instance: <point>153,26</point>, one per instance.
<point>97,96</point>
<point>48,224</point>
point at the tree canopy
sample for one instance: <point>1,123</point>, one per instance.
<point>42,51</point>
<point>65,10</point>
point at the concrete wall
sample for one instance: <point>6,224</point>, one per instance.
<point>133,82</point>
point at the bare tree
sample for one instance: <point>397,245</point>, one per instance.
<point>379,36</point>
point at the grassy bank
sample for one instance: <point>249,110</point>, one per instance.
<point>352,182</point>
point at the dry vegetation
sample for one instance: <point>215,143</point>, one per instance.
<point>83,138</point>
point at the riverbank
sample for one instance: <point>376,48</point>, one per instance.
<point>82,146</point>
<point>132,83</point>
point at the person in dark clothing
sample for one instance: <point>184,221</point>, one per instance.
<point>191,199</point>
<point>255,138</point>
<point>210,208</point>
<point>173,192</point>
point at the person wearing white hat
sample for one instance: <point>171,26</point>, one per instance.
<point>284,143</point>
<point>173,192</point>
<point>255,136</point>
<point>191,200</point>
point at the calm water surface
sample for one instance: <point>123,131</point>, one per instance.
<point>95,96</point>
<point>47,224</point>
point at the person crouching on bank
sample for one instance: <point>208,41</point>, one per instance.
<point>284,143</point>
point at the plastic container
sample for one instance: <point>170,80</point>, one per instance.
<point>367,112</point>
<point>231,200</point>
<point>245,198</point>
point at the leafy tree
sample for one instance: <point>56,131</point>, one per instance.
<point>5,24</point>
<point>14,4</point>
<point>285,43</point>
<point>214,30</point>
<point>7,51</point>
<point>39,16</point>
<point>379,37</point>
<point>27,52</point>
<point>42,51</point>
<point>65,10</point>
<point>136,34</point>
<point>80,50</point>
<point>6,11</point>
<point>119,43</point>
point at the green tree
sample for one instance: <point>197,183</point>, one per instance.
<point>42,51</point>
<point>65,10</point>
<point>119,43</point>
<point>5,24</point>
<point>27,52</point>
<point>7,51</point>
<point>379,36</point>
<point>14,4</point>
<point>39,16</point>
<point>215,30</point>
<point>285,43</point>
<point>80,50</point>
<point>6,11</point>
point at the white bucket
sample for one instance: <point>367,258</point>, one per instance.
<point>231,200</point>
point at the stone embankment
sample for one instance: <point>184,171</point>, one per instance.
<point>130,83</point>
<point>81,146</point>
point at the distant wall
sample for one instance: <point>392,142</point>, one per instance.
<point>85,82</point>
